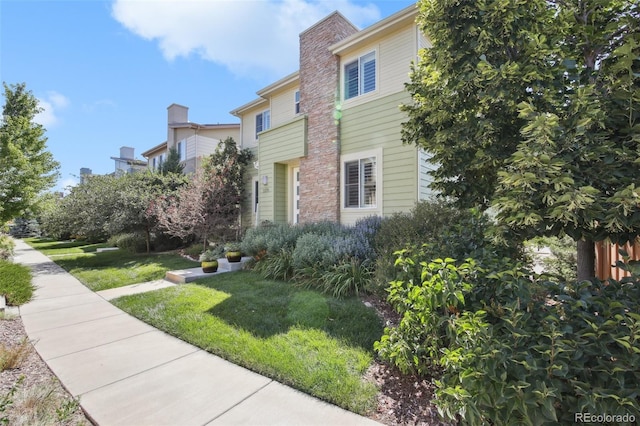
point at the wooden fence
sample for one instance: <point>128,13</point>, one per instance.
<point>607,255</point>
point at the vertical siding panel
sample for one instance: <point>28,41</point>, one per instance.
<point>607,255</point>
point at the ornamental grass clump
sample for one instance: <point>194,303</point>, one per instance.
<point>7,246</point>
<point>15,283</point>
<point>334,258</point>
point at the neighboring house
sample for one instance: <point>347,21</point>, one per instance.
<point>193,141</point>
<point>127,162</point>
<point>156,156</point>
<point>327,138</point>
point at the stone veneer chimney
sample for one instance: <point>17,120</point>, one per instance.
<point>319,80</point>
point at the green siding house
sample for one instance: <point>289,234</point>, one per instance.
<point>327,138</point>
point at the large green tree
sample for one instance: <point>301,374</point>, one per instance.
<point>533,107</point>
<point>26,167</point>
<point>108,205</point>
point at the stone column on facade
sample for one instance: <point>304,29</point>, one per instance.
<point>319,82</point>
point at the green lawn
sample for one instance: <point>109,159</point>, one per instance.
<point>53,247</point>
<point>111,269</point>
<point>302,338</point>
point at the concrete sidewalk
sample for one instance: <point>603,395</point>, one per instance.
<point>126,372</point>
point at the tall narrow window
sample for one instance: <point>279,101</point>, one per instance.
<point>182,150</point>
<point>360,183</point>
<point>263,122</point>
<point>360,76</point>
<point>258,124</point>
<point>297,102</point>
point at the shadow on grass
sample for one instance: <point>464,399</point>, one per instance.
<point>45,244</point>
<point>266,308</point>
<point>124,260</point>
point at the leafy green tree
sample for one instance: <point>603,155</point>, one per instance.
<point>465,120</point>
<point>105,206</point>
<point>229,163</point>
<point>172,163</point>
<point>26,167</point>
<point>534,107</point>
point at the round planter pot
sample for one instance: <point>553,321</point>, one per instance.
<point>234,256</point>
<point>209,267</point>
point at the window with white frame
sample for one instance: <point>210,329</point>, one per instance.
<point>297,101</point>
<point>263,122</point>
<point>360,76</point>
<point>182,150</point>
<point>157,161</point>
<point>360,183</point>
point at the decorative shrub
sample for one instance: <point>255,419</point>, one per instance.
<point>347,278</point>
<point>315,251</point>
<point>15,283</point>
<point>440,230</point>
<point>508,355</point>
<point>132,242</point>
<point>165,242</point>
<point>7,245</point>
<point>270,238</point>
<point>276,266</point>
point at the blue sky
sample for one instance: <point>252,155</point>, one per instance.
<point>105,71</point>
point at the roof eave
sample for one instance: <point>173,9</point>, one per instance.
<point>397,20</point>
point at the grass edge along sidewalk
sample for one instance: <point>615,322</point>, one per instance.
<point>111,269</point>
<point>310,341</point>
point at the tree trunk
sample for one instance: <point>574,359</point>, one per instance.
<point>147,235</point>
<point>586,252</point>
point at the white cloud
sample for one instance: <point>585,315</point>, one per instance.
<point>100,103</point>
<point>51,105</point>
<point>65,185</point>
<point>248,37</point>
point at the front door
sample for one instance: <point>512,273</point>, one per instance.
<point>295,190</point>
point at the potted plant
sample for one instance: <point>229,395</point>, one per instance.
<point>209,259</point>
<point>234,254</point>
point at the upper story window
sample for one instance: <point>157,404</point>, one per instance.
<point>182,150</point>
<point>263,122</point>
<point>157,161</point>
<point>297,101</point>
<point>360,76</point>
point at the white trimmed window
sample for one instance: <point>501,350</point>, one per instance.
<point>182,150</point>
<point>157,161</point>
<point>296,101</point>
<point>263,122</point>
<point>360,183</point>
<point>360,76</point>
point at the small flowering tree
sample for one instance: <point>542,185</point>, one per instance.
<point>210,203</point>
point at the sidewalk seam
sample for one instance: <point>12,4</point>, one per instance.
<point>138,373</point>
<point>97,346</point>
<point>239,402</point>
<point>66,307</point>
<point>67,325</point>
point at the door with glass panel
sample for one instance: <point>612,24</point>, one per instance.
<point>295,198</point>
